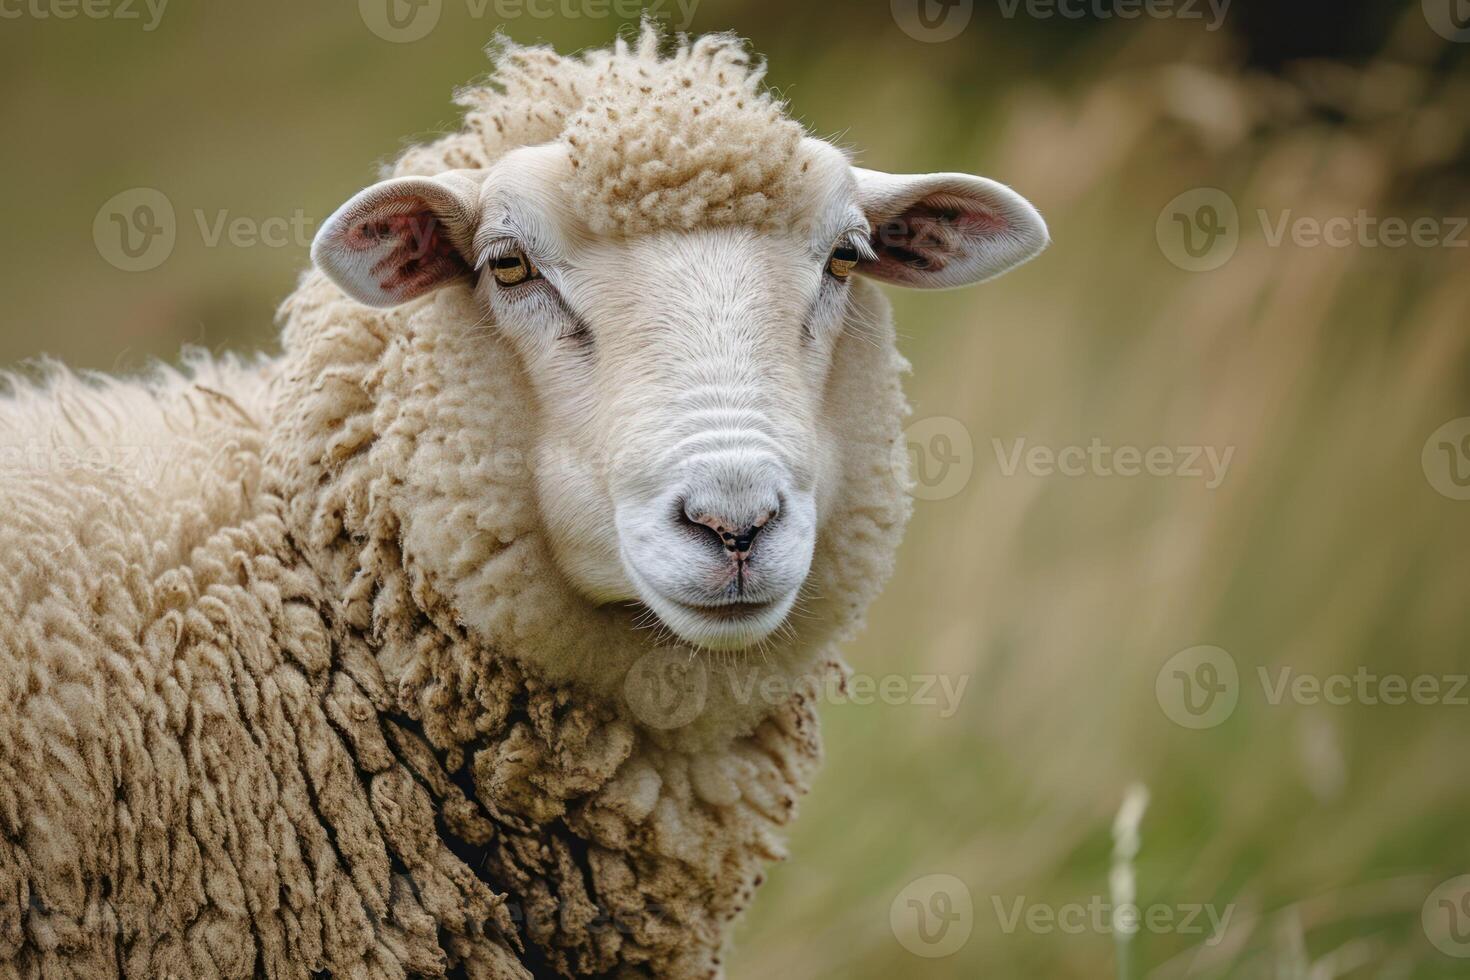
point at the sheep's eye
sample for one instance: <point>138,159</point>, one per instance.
<point>513,269</point>
<point>844,259</point>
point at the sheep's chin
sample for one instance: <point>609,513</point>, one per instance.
<point>732,626</point>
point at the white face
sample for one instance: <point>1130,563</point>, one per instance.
<point>684,461</point>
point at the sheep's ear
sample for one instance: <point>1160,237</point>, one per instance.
<point>936,231</point>
<point>401,238</point>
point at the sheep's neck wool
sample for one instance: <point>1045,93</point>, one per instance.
<point>303,691</point>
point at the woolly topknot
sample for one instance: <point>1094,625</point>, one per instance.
<point>657,141</point>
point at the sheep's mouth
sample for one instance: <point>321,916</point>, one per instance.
<point>726,611</point>
<point>700,601</point>
<point>731,624</point>
<point>722,626</point>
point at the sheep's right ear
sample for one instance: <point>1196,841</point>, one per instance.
<point>401,238</point>
<point>938,231</point>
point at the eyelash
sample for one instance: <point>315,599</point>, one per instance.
<point>535,289</point>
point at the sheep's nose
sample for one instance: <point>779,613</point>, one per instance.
<point>737,537</point>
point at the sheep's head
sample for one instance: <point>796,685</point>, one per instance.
<point>681,373</point>
<point>677,264</point>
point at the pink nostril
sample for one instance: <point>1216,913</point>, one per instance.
<point>737,541</point>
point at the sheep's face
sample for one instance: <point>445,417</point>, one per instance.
<point>685,457</point>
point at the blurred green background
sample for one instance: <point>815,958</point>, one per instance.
<point>1333,545</point>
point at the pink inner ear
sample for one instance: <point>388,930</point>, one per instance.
<point>419,255</point>
<point>932,233</point>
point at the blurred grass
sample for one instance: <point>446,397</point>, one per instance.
<point>1325,549</point>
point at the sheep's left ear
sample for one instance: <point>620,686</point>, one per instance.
<point>401,238</point>
<point>937,231</point>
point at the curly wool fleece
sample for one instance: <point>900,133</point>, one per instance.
<point>655,142</point>
<point>309,697</point>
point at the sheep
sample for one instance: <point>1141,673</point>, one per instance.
<point>442,643</point>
